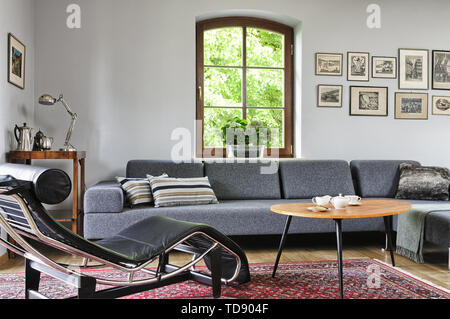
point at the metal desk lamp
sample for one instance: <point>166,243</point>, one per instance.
<point>49,100</point>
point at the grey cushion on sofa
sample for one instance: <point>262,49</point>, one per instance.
<point>243,181</point>
<point>231,217</point>
<point>104,197</point>
<point>140,168</point>
<point>377,178</point>
<point>309,178</point>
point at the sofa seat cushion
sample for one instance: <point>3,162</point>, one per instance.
<point>377,178</point>
<point>309,178</point>
<point>231,217</point>
<point>233,181</point>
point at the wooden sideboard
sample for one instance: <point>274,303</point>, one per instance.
<point>78,180</point>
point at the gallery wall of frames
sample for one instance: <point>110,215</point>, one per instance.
<point>411,68</point>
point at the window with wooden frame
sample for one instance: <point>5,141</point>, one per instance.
<point>244,71</point>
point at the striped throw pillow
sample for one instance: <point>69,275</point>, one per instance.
<point>137,190</point>
<point>181,191</point>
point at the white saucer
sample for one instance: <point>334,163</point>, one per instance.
<point>355,204</point>
<point>318,210</point>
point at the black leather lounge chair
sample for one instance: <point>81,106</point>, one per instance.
<point>24,190</point>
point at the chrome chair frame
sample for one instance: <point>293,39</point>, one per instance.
<point>165,274</point>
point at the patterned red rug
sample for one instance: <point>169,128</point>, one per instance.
<point>363,279</point>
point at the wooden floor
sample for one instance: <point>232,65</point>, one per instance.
<point>263,249</point>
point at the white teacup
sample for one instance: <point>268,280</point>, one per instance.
<point>353,199</point>
<point>321,200</point>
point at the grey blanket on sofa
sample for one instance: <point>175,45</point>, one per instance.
<point>410,231</point>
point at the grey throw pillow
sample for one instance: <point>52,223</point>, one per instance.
<point>423,182</point>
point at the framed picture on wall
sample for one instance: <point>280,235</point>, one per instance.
<point>368,101</point>
<point>413,69</point>
<point>384,67</point>
<point>411,106</point>
<point>16,62</point>
<point>329,64</point>
<point>329,95</point>
<point>441,70</point>
<point>357,66</point>
<point>441,105</point>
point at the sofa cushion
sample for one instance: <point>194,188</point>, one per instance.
<point>243,180</point>
<point>423,182</point>
<point>233,217</point>
<point>137,190</point>
<point>309,178</point>
<point>168,191</point>
<point>377,178</point>
<point>140,168</point>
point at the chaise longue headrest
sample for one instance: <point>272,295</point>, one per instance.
<point>51,186</point>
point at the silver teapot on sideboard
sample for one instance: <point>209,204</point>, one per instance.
<point>24,137</point>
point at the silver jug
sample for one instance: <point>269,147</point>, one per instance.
<point>46,143</point>
<point>24,138</point>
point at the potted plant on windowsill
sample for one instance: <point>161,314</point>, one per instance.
<point>244,139</point>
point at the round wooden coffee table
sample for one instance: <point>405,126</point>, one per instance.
<point>367,209</point>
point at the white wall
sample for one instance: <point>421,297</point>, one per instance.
<point>129,73</point>
<point>16,105</point>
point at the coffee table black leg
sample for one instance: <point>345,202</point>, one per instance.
<point>388,230</point>
<point>339,253</point>
<point>283,240</point>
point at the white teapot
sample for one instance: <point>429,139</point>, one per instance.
<point>340,202</point>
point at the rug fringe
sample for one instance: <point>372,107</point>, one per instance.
<point>414,276</point>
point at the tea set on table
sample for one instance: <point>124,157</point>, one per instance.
<point>338,202</point>
<point>25,141</point>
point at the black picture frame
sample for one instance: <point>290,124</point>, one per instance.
<point>341,64</point>
<point>436,110</point>
<point>337,104</point>
<point>394,75</point>
<point>354,78</point>
<point>401,84</point>
<point>15,79</point>
<point>433,71</point>
<point>352,101</point>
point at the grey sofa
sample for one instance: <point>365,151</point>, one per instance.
<point>246,195</point>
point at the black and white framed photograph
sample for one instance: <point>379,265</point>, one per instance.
<point>329,95</point>
<point>357,66</point>
<point>413,69</point>
<point>441,70</point>
<point>441,105</point>
<point>329,64</point>
<point>384,67</point>
<point>16,62</point>
<point>412,106</point>
<point>368,101</point>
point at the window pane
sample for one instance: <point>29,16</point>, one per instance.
<point>265,48</point>
<point>223,47</point>
<point>223,87</point>
<point>273,121</point>
<point>265,88</point>
<point>215,119</point>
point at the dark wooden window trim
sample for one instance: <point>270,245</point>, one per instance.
<point>288,32</point>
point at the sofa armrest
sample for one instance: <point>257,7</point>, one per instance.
<point>104,197</point>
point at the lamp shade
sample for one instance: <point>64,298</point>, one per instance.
<point>47,100</point>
